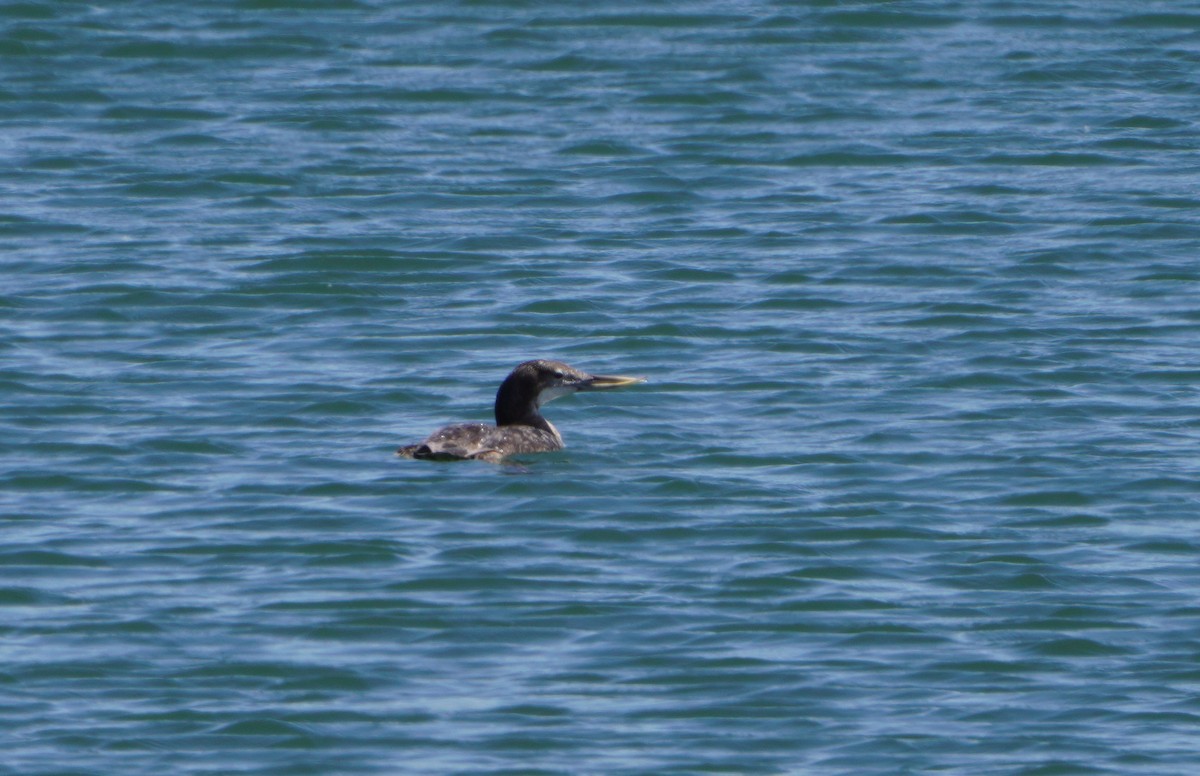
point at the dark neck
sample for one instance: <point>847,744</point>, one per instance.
<point>516,403</point>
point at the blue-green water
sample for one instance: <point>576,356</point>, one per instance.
<point>913,488</point>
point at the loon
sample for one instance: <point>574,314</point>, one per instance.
<point>519,428</point>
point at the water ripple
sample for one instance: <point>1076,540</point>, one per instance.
<point>909,489</point>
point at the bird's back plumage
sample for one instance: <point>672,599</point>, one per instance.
<point>481,441</point>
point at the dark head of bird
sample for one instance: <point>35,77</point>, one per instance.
<point>535,383</point>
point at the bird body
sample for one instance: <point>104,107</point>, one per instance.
<point>482,441</point>
<point>520,427</point>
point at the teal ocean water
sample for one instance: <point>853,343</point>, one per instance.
<point>913,487</point>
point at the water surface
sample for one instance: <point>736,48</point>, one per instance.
<point>912,488</point>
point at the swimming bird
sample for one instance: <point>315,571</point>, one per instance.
<point>520,427</point>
